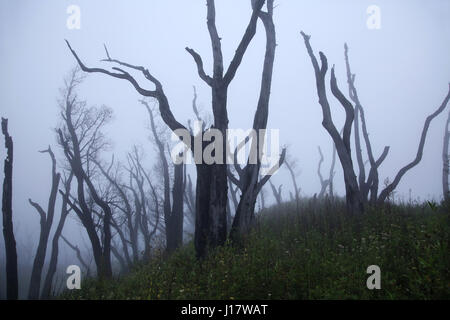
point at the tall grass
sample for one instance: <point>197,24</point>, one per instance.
<point>318,252</point>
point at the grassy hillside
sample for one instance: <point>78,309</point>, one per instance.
<point>320,253</point>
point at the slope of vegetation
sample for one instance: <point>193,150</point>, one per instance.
<point>321,253</point>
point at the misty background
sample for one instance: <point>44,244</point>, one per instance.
<point>402,74</point>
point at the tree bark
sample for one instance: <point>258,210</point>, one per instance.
<point>12,284</point>
<point>174,232</point>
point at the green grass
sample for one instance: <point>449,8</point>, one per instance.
<point>320,253</point>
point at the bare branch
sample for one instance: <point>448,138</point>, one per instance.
<point>387,191</point>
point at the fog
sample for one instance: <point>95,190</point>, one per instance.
<point>402,74</point>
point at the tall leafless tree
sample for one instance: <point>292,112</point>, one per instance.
<point>354,199</point>
<point>12,283</point>
<point>173,208</point>
<point>46,221</point>
<point>372,182</point>
<point>81,139</point>
<point>249,176</point>
<point>211,193</point>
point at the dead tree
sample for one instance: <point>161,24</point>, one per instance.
<point>46,289</point>
<point>174,224</point>
<point>323,183</point>
<point>372,182</point>
<point>211,195</point>
<point>173,210</point>
<point>78,253</point>
<point>8,230</point>
<point>354,199</point>
<point>296,196</point>
<point>445,160</point>
<point>262,195</point>
<point>391,187</point>
<point>189,199</point>
<point>331,174</point>
<point>138,177</point>
<point>276,192</point>
<point>250,182</point>
<point>81,139</point>
<point>46,221</point>
<point>123,204</point>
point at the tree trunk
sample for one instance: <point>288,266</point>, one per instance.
<point>245,212</point>
<point>46,224</point>
<point>46,290</point>
<point>445,160</point>
<point>174,232</point>
<point>353,196</point>
<point>12,291</point>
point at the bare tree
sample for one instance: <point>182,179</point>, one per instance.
<point>323,183</point>
<point>124,206</point>
<point>290,165</point>
<point>445,160</point>
<point>332,172</point>
<point>46,221</point>
<point>353,195</point>
<point>46,289</point>
<point>138,177</point>
<point>81,139</point>
<point>12,283</point>
<point>276,192</point>
<point>189,199</point>
<point>78,253</point>
<point>249,176</point>
<point>173,210</point>
<point>211,195</point>
<point>372,180</point>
